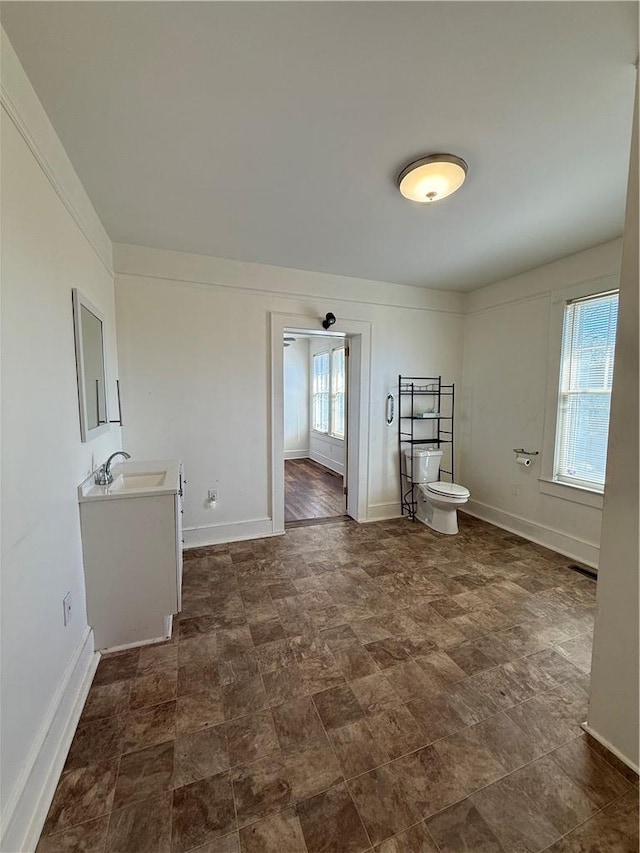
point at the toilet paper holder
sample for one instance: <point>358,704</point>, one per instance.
<point>522,452</point>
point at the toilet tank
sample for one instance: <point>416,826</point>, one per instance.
<point>426,464</point>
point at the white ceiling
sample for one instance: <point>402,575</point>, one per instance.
<point>273,132</point>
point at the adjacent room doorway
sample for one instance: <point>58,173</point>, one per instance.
<point>315,373</point>
<point>339,409</point>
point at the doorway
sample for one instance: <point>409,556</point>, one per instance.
<point>315,426</point>
<point>357,379</point>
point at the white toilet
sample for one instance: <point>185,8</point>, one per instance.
<point>437,502</point>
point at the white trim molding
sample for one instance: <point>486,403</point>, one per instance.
<point>568,492</point>
<point>296,454</point>
<point>586,553</point>
<point>215,534</point>
<point>29,803</point>
<point>383,512</point>
<point>23,107</point>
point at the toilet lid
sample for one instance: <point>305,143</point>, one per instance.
<point>451,490</point>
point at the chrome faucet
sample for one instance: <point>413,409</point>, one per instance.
<point>104,477</point>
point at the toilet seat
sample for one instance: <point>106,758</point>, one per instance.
<point>448,490</point>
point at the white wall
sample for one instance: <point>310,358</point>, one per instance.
<point>325,449</point>
<point>613,706</point>
<point>193,337</point>
<point>296,399</point>
<point>51,242</point>
<point>507,383</point>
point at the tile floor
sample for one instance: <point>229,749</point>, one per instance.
<point>352,688</point>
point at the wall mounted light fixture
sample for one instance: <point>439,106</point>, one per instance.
<point>432,178</point>
<point>329,320</point>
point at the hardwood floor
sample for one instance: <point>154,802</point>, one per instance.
<point>311,491</point>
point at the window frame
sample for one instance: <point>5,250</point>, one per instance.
<point>548,483</point>
<point>331,393</point>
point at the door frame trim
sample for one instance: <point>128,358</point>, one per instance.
<point>358,333</point>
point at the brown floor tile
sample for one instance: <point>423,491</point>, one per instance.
<point>629,774</point>
<point>96,741</point>
<point>157,657</point>
<point>375,693</point>
<point>88,837</point>
<point>276,834</point>
<point>461,827</point>
<point>470,759</point>
<point>202,811</point>
<point>153,689</point>
<point>331,824</point>
<point>613,830</point>
<point>414,840</point>
<point>266,631</point>
<point>382,803</point>
<point>506,741</point>
<point>428,781</point>
<point>437,716</point>
<point>198,678</point>
<point>397,731</point>
<point>143,774</point>
<point>81,795</point>
<point>298,725</point>
<point>476,644</point>
<point>150,726</point>
<point>470,658</point>
<point>117,667</point>
<point>337,706</point>
<point>354,660</point>
<point>387,652</point>
<point>514,818</point>
<point>243,697</point>
<point>562,802</point>
<point>589,771</point>
<point>228,844</point>
<point>143,827</point>
<point>312,770</point>
<point>260,789</point>
<point>199,711</point>
<point>284,684</point>
<point>251,737</point>
<point>106,700</point>
<point>199,755</point>
<point>357,748</point>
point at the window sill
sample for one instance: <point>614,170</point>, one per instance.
<point>576,494</point>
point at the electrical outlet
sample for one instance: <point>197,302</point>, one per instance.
<point>66,607</point>
<point>212,496</point>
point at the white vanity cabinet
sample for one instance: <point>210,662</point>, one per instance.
<point>132,551</point>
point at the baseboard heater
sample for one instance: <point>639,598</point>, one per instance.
<point>583,570</point>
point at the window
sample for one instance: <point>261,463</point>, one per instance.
<point>320,390</point>
<point>328,391</point>
<point>584,398</point>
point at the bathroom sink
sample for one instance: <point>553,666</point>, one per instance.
<point>132,479</point>
<point>139,481</point>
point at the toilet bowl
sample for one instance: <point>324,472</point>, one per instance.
<point>436,501</point>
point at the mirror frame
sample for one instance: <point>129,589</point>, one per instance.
<point>79,301</point>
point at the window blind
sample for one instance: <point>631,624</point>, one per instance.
<point>584,400</point>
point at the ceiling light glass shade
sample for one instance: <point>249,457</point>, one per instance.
<point>432,178</point>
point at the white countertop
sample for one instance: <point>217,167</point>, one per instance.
<point>134,479</point>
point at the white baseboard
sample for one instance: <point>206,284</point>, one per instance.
<point>27,808</point>
<point>594,734</point>
<point>296,454</point>
<point>215,534</point>
<point>327,461</point>
<point>582,552</point>
<point>383,512</point>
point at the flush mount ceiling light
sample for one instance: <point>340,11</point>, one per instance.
<point>432,178</point>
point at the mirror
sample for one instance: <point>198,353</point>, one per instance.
<point>88,325</point>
